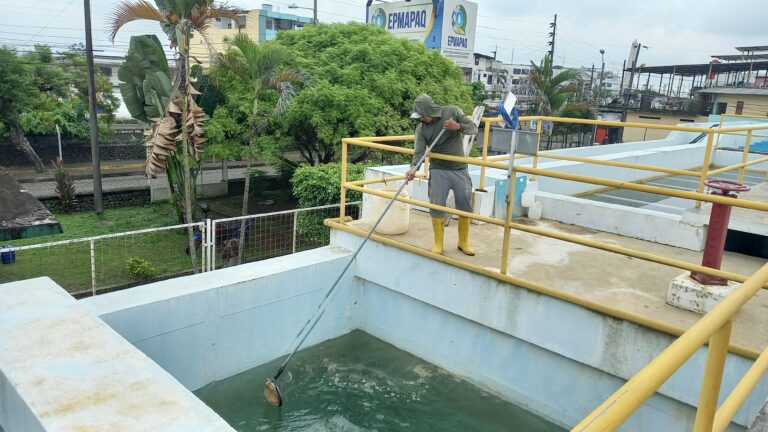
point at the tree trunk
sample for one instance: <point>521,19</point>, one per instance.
<point>187,174</point>
<point>23,145</point>
<point>247,187</point>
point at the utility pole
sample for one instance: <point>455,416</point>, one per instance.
<point>592,78</point>
<point>95,159</point>
<point>552,34</point>
<point>602,74</point>
<point>495,51</point>
<point>314,11</point>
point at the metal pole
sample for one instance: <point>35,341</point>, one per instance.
<point>295,223</point>
<point>511,180</point>
<point>95,159</point>
<point>713,376</point>
<point>93,268</point>
<point>314,12</point>
<point>343,199</point>
<point>486,137</point>
<point>602,73</point>
<point>745,156</point>
<point>705,167</point>
<point>213,245</point>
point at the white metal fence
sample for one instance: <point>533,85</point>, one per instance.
<point>93,265</point>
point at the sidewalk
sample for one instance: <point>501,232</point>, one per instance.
<point>121,183</point>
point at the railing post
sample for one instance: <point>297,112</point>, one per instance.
<point>295,222</point>
<point>705,166</point>
<point>745,156</point>
<point>713,376</point>
<point>343,200</point>
<point>486,137</point>
<point>538,145</point>
<point>512,179</point>
<point>93,267</point>
<point>717,145</point>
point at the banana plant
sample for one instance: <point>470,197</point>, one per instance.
<point>177,135</point>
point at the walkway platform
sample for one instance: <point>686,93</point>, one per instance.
<point>617,281</point>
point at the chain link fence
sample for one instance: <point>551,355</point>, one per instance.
<point>95,265</point>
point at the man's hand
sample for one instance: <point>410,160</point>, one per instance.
<point>410,174</point>
<point>451,125</point>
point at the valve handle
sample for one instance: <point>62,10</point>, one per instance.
<point>727,185</point>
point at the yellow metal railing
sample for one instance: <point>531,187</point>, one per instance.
<point>713,328</point>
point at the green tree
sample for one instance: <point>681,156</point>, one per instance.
<point>263,75</point>
<point>39,91</point>
<point>552,92</point>
<point>177,18</point>
<point>365,81</point>
<point>574,110</point>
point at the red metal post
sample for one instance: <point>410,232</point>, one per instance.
<point>718,230</point>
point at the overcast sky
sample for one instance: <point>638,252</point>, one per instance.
<point>675,31</point>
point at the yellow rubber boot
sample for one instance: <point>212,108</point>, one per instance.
<point>439,230</point>
<point>464,237</point>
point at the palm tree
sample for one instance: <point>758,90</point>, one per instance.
<point>177,18</point>
<point>552,91</point>
<point>262,69</point>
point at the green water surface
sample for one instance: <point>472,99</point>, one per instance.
<point>359,383</point>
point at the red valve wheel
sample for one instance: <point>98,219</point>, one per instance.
<point>727,185</point>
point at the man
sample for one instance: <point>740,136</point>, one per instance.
<point>444,176</point>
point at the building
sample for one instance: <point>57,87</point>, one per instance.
<point>453,34</point>
<point>491,72</point>
<point>260,24</point>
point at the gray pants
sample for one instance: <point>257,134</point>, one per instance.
<point>442,181</point>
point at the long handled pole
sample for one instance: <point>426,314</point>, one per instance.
<point>315,318</point>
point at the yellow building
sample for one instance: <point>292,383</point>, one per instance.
<point>260,24</point>
<point>202,49</point>
<point>739,100</point>
<point>674,118</point>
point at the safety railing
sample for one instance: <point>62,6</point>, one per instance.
<point>713,328</point>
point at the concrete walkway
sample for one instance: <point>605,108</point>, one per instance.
<point>47,189</point>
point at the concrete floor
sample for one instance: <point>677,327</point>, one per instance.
<point>614,280</point>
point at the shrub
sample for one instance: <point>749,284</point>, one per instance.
<point>139,268</point>
<point>320,185</point>
<point>65,185</point>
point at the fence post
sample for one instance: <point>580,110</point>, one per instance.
<point>342,206</point>
<point>486,135</point>
<point>213,245</point>
<point>203,248</point>
<point>93,268</point>
<point>538,144</point>
<point>295,222</point>
<point>713,376</point>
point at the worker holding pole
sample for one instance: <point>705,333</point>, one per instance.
<point>444,176</point>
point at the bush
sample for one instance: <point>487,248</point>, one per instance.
<point>65,185</point>
<point>139,268</point>
<point>320,185</point>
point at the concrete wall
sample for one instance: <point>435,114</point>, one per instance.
<point>655,226</point>
<point>214,325</point>
<point>753,104</point>
<point>670,119</point>
<point>552,357</point>
<point>64,369</point>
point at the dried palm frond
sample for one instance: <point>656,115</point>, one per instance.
<point>162,143</point>
<point>128,11</point>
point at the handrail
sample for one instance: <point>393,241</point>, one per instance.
<point>626,400</point>
<point>714,327</point>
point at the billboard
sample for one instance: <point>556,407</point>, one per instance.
<point>445,25</point>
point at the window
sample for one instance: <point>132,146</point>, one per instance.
<point>721,107</point>
<point>525,71</point>
<point>650,118</point>
<point>739,107</point>
<point>477,61</point>
<point>270,24</point>
<point>490,79</point>
<point>516,71</point>
<point>485,75</point>
<point>218,19</point>
<point>515,81</point>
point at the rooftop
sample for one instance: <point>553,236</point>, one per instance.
<point>703,68</point>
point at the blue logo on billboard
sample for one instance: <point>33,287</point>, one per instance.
<point>459,20</point>
<point>379,18</point>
